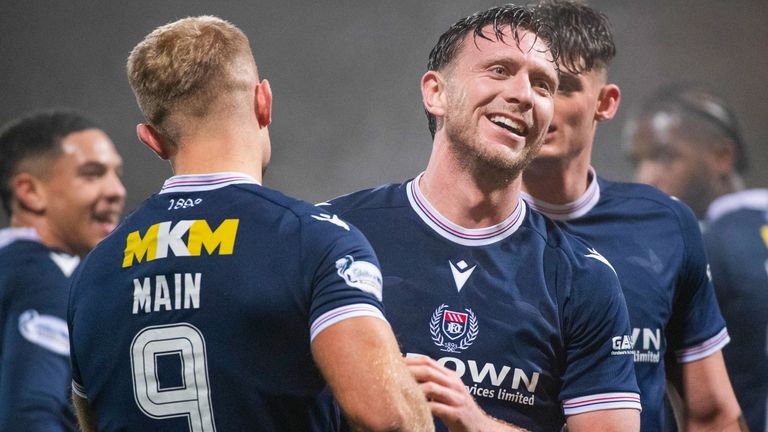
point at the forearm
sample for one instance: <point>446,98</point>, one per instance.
<point>360,361</point>
<point>708,398</point>
<point>720,421</point>
<point>496,425</point>
<point>85,416</point>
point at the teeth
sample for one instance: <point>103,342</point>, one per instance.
<point>508,123</point>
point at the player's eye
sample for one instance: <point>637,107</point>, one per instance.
<point>499,70</point>
<point>92,171</point>
<point>544,85</point>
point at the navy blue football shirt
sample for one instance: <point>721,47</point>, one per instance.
<point>533,321</point>
<point>198,312</point>
<point>655,245</point>
<point>34,346</point>
<point>736,237</point>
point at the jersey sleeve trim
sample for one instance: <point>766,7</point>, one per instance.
<point>703,349</point>
<point>601,401</point>
<point>78,389</point>
<point>340,314</point>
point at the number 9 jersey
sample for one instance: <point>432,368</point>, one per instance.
<point>198,312</point>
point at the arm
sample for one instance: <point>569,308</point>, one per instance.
<point>449,399</point>
<point>707,397</point>
<point>612,420</point>
<point>34,371</point>
<point>360,360</point>
<point>85,416</point>
<point>697,335</point>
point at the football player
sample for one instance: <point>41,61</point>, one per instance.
<point>221,304</point>
<point>507,322</point>
<point>60,185</point>
<point>652,240</point>
<point>686,141</point>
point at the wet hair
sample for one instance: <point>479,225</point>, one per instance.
<point>35,136</point>
<point>701,111</point>
<point>585,37</point>
<point>499,17</point>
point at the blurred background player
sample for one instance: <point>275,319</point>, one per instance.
<point>221,304</point>
<point>686,141</point>
<point>60,186</point>
<point>532,322</point>
<point>653,241</point>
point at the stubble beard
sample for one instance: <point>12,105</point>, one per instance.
<point>477,158</point>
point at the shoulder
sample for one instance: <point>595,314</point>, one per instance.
<point>643,200</point>
<point>583,261</point>
<point>35,261</point>
<point>588,261</point>
<point>545,229</point>
<point>748,200</point>
<point>640,195</point>
<point>384,196</point>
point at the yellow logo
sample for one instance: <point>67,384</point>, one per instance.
<point>764,232</point>
<point>162,237</point>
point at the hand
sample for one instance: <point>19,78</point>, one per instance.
<point>449,399</point>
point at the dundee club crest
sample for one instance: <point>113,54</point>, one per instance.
<point>455,326</point>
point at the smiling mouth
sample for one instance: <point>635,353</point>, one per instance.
<point>514,126</point>
<point>107,218</point>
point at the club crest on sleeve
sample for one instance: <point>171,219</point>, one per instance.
<point>453,325</point>
<point>47,331</point>
<point>360,274</point>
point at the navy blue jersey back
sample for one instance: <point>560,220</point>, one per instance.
<point>507,307</point>
<point>655,245</point>
<point>197,313</point>
<point>34,347</point>
<point>736,237</point>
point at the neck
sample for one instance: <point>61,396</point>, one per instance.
<point>218,149</point>
<point>466,197</point>
<point>557,181</point>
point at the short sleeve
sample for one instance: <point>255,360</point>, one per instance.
<point>697,328</point>
<point>345,276</point>
<point>34,365</point>
<point>599,373</point>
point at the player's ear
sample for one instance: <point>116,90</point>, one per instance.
<point>154,140</point>
<point>725,158</point>
<point>30,192</point>
<point>433,93</point>
<point>263,103</point>
<point>607,102</point>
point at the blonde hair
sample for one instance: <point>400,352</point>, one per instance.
<point>183,68</point>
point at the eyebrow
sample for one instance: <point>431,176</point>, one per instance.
<point>96,166</point>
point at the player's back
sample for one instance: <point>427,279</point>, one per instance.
<point>736,236</point>
<point>197,311</point>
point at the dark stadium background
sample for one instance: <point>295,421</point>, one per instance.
<point>345,76</point>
